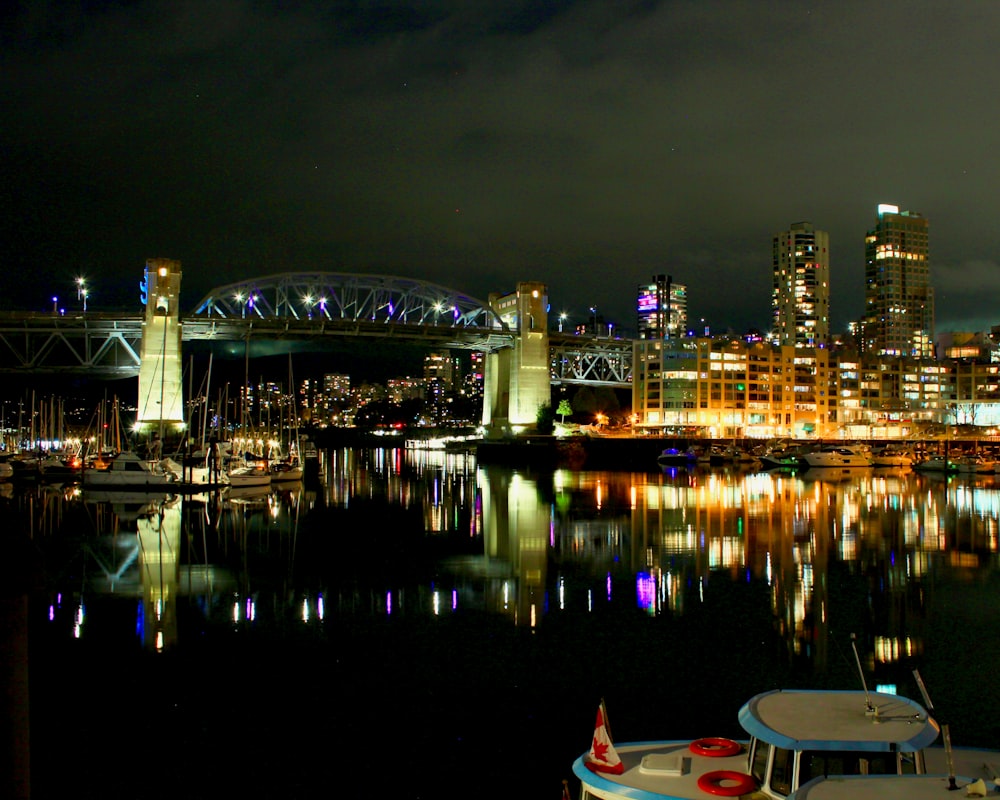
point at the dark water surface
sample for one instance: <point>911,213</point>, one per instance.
<point>416,625</point>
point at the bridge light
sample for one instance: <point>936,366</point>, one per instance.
<point>143,291</point>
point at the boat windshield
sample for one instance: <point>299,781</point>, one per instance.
<point>817,764</point>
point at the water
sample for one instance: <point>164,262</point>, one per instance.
<point>419,626</point>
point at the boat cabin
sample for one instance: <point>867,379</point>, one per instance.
<point>794,737</point>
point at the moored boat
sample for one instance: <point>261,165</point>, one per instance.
<point>128,471</point>
<point>974,464</point>
<point>675,457</point>
<point>254,474</point>
<point>838,455</point>
<point>793,737</point>
<point>782,455</point>
<point>935,463</point>
<point>893,456</point>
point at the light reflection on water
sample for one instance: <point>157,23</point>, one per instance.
<point>508,536</point>
<point>414,537</point>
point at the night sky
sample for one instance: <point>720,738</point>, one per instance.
<point>470,143</point>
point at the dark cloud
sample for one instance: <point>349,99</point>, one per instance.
<point>589,145</point>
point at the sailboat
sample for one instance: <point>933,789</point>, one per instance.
<point>290,467</point>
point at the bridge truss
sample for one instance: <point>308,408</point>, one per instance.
<point>100,344</point>
<point>344,296</point>
<point>591,361</point>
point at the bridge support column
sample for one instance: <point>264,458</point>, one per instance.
<point>161,402</point>
<point>517,380</point>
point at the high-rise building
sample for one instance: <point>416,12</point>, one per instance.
<point>801,299</point>
<point>899,298</point>
<point>444,369</point>
<point>662,308</point>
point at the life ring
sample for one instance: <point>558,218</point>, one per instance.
<point>727,783</point>
<point>714,747</point>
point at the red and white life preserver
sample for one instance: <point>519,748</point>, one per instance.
<point>726,783</point>
<point>714,747</point>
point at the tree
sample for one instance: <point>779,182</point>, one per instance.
<point>564,409</point>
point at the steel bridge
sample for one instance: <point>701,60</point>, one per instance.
<point>299,307</point>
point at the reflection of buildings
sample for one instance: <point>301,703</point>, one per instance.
<point>886,530</point>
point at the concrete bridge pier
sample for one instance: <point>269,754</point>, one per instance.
<point>516,379</point>
<point>161,403</point>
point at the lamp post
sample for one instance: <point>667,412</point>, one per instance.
<point>81,291</point>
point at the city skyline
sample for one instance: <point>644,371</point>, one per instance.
<point>584,145</point>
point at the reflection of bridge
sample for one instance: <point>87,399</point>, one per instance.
<point>316,307</point>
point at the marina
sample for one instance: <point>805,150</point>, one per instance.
<point>497,605</point>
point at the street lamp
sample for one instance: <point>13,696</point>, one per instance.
<point>81,291</point>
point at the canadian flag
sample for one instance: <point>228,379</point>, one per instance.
<point>602,756</point>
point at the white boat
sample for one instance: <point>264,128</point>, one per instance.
<point>286,471</point>
<point>128,471</point>
<point>792,738</point>
<point>838,455</point>
<point>935,464</point>
<point>256,474</point>
<point>892,456</point>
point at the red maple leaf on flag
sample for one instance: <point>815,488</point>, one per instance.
<point>599,750</point>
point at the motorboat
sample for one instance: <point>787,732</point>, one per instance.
<point>286,470</point>
<point>838,455</point>
<point>781,456</point>
<point>793,737</point>
<point>59,467</point>
<point>252,474</point>
<point>128,471</point>
<point>892,456</point>
<point>974,464</point>
<point>935,463</point>
<point>674,457</point>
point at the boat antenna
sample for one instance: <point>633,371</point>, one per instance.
<point>945,732</point>
<point>604,716</point>
<point>869,708</point>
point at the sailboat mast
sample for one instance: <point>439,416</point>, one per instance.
<point>208,384</point>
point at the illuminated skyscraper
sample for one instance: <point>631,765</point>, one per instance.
<point>662,308</point>
<point>801,299</point>
<point>899,298</point>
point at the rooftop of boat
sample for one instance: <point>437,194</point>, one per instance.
<point>825,720</point>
